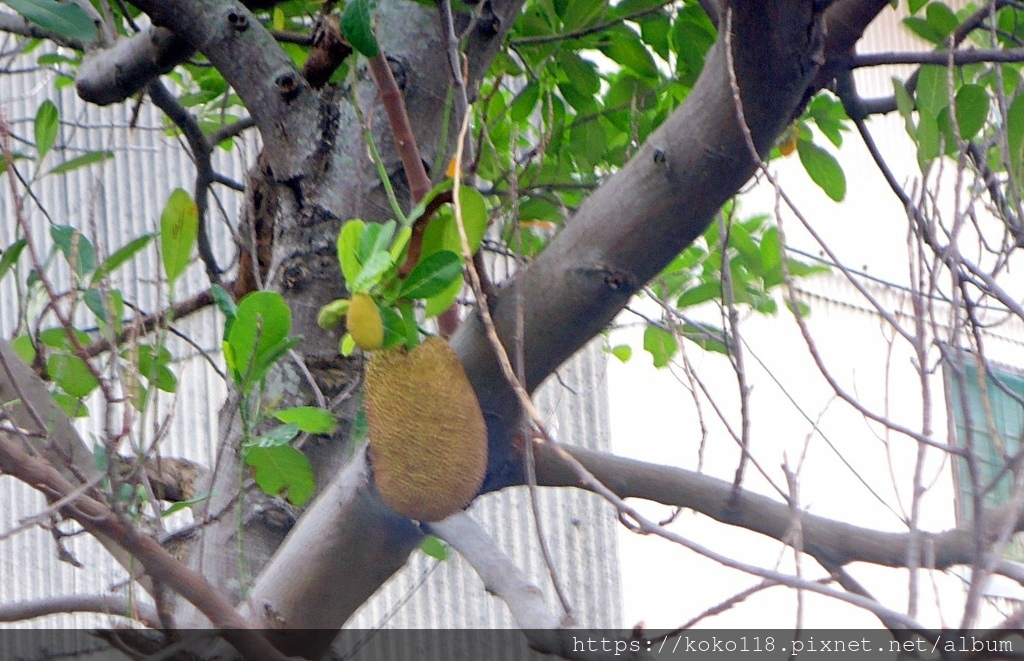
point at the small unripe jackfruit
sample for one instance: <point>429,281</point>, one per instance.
<point>364,322</point>
<point>333,313</point>
<point>428,440</point>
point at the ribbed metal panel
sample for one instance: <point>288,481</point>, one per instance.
<point>121,199</point>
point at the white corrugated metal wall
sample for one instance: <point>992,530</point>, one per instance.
<point>120,199</point>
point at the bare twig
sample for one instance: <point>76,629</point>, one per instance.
<point>201,149</point>
<point>161,566</point>
<point>401,129</point>
<point>109,604</point>
<point>593,29</point>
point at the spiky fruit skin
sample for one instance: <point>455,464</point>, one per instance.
<point>428,440</point>
<point>364,323</point>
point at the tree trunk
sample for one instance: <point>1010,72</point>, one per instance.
<point>347,543</point>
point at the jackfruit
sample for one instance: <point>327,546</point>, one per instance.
<point>364,322</point>
<point>428,439</point>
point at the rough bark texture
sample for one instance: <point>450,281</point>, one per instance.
<point>638,221</point>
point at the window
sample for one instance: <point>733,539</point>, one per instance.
<point>988,417</point>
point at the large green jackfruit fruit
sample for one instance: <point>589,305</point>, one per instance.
<point>428,440</point>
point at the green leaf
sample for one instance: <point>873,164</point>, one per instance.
<point>771,258</point>
<point>432,275</point>
<point>655,29</point>
<point>179,227</point>
<point>122,255</point>
<point>276,437</point>
<point>332,314</point>
<point>904,103</point>
<point>941,19</point>
<point>932,89</point>
<point>1015,135</point>
<point>76,248</point>
<point>372,272</point>
<point>394,327</point>
<point>58,338</point>
<point>621,351</point>
<point>182,504</point>
<point>71,374</point>
<point>226,304</point>
<point>661,344</point>
<point>260,327</point>
<point>357,26</point>
<point>65,18</point>
<point>582,73</point>
<point>705,291</point>
<point>971,110</point>
<point>823,169</point>
<point>827,112</point>
<point>525,102</point>
<point>375,238</point>
<point>438,303</point>
<point>85,159</point>
<point>921,28</point>
<point>434,547</point>
<point>22,346</point>
<point>46,125</point>
<point>348,249</point>
<point>282,468</point>
<point>443,232</point>
<point>72,406</point>
<point>705,336</point>
<point>10,256</point>
<point>582,13</point>
<point>152,366</point>
<point>309,419</point>
<point>749,252</point>
<point>624,46</point>
<point>103,302</point>
<point>347,345</point>
<point>928,137</point>
<point>692,36</point>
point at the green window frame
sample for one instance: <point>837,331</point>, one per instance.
<point>988,417</point>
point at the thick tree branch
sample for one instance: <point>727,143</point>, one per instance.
<point>277,95</point>
<point>26,403</point>
<point>621,237</point>
<point>115,74</point>
<point>834,543</point>
<point>845,22</point>
<point>161,566</point>
<point>645,214</point>
<point>327,562</point>
<point>525,601</point>
<point>501,577</point>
